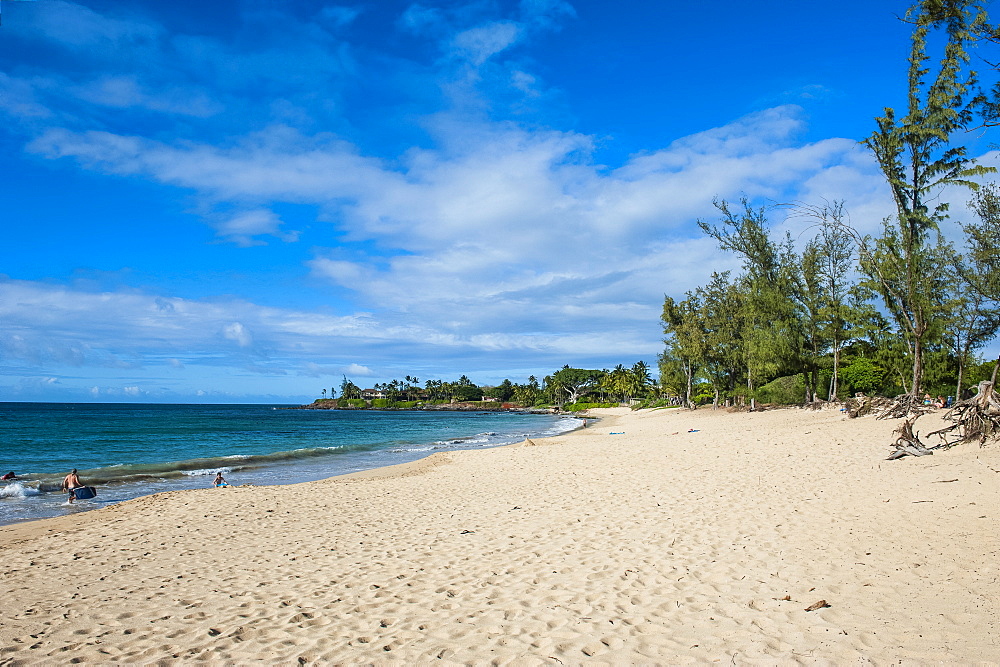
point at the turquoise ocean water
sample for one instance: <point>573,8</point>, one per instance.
<point>129,450</point>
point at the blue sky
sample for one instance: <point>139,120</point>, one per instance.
<point>246,200</point>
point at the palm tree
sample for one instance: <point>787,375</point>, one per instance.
<point>641,378</point>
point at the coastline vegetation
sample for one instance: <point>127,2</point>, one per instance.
<point>567,389</point>
<point>902,312</point>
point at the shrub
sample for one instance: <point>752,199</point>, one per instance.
<point>661,402</point>
<point>788,390</point>
<point>581,406</point>
<point>863,375</point>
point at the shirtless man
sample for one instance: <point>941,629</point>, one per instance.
<point>71,483</point>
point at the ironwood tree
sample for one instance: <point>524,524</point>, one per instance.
<point>916,155</point>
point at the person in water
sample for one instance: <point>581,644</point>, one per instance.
<point>9,475</point>
<point>220,480</point>
<point>71,483</point>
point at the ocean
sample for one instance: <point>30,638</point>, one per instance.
<point>132,450</point>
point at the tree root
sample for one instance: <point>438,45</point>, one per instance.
<point>903,406</point>
<point>908,443</point>
<point>862,405</point>
<point>975,419</point>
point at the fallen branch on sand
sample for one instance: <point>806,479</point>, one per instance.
<point>904,405</point>
<point>975,419</point>
<point>908,443</point>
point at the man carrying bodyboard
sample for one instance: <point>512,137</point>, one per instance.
<point>72,483</point>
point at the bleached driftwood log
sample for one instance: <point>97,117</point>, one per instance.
<point>908,443</point>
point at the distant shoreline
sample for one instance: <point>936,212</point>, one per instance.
<point>464,406</point>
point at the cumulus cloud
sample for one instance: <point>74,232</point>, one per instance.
<point>126,92</point>
<point>20,97</point>
<point>507,232</point>
<point>480,239</point>
<point>243,228</point>
<point>81,29</point>
<point>480,43</point>
<point>235,331</point>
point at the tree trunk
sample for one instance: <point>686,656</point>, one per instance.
<point>958,387</point>
<point>689,370</point>
<point>918,365</point>
<point>836,364</point>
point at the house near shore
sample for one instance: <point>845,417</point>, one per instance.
<point>410,395</point>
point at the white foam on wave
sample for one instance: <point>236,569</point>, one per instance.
<point>18,490</point>
<point>407,450</point>
<point>205,472</point>
<point>564,425</point>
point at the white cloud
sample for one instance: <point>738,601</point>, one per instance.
<point>81,28</point>
<point>126,91</point>
<point>339,16</point>
<point>482,42</point>
<point>20,98</point>
<point>486,240</point>
<point>503,233</point>
<point>235,331</point>
<point>243,227</point>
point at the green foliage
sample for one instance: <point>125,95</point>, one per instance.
<point>502,392</point>
<point>771,333</point>
<point>786,390</point>
<point>657,402</point>
<point>863,375</point>
<point>467,393</point>
<point>568,384</point>
<point>354,403</point>
<point>917,158</point>
<point>581,406</point>
<point>794,316</point>
<point>704,394</point>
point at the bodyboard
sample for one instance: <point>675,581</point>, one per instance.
<point>84,492</point>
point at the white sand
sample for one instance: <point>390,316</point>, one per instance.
<point>656,546</point>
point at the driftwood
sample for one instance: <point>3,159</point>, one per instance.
<point>862,405</point>
<point>908,443</point>
<point>903,406</point>
<point>976,419</point>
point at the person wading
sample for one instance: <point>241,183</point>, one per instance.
<point>71,483</point>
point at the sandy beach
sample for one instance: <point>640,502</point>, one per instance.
<point>685,537</point>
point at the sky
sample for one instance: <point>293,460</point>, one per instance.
<point>244,201</point>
